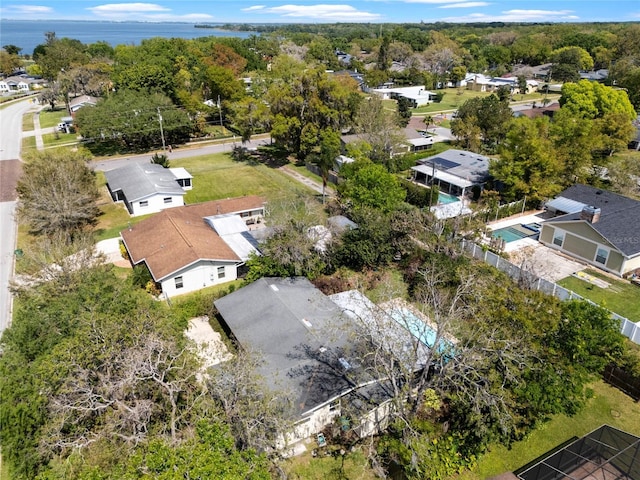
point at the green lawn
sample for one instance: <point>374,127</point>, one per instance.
<point>27,122</point>
<point>454,97</point>
<point>50,118</point>
<point>330,467</point>
<point>59,139</point>
<point>608,406</point>
<point>28,143</point>
<point>622,298</point>
<point>215,176</point>
<point>219,176</point>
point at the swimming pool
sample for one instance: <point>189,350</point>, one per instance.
<point>418,328</point>
<point>446,198</point>
<point>513,233</point>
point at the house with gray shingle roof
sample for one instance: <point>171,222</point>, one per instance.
<point>303,338</point>
<point>148,188</point>
<point>596,226</point>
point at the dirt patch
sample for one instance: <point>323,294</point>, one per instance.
<point>10,171</point>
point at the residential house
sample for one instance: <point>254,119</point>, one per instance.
<point>595,226</point>
<point>302,337</point>
<point>595,75</point>
<point>20,84</point>
<point>148,188</point>
<point>417,95</point>
<point>455,172</point>
<point>77,103</point>
<point>482,83</point>
<point>195,246</point>
<point>414,141</point>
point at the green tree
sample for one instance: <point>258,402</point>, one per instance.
<point>594,100</point>
<point>58,193</point>
<point>8,62</point>
<point>489,114</point>
<point>404,111</point>
<point>324,158</point>
<point>528,165</point>
<point>132,121</point>
<point>371,185</point>
<point>568,62</point>
<point>59,55</point>
<point>248,116</point>
<point>313,101</point>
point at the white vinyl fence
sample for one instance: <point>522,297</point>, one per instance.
<point>628,328</point>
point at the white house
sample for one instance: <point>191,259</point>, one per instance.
<point>418,95</point>
<point>20,84</point>
<point>77,103</point>
<point>196,246</point>
<point>148,188</point>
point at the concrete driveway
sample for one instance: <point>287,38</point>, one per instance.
<point>545,262</point>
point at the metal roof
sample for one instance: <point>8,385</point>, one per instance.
<point>566,205</point>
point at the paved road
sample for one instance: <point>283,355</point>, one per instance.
<point>182,152</point>
<point>10,143</point>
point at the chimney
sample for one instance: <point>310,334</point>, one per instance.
<point>590,213</point>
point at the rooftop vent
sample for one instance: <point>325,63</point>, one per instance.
<point>274,288</point>
<point>590,214</point>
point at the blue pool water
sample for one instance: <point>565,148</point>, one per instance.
<point>446,198</point>
<point>516,232</point>
<point>418,328</point>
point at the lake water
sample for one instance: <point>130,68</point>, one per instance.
<point>27,34</point>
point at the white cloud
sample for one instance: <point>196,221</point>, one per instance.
<point>254,8</point>
<point>147,12</point>
<point>28,9</point>
<point>465,5</point>
<point>118,8</point>
<point>333,13</point>
<point>432,2</point>
<point>517,16</point>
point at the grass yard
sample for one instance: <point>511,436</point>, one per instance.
<point>608,406</point>
<point>219,176</point>
<point>215,176</point>
<point>622,298</point>
<point>28,144</point>
<point>27,122</point>
<point>333,467</point>
<point>50,118</point>
<point>453,98</point>
<point>58,139</point>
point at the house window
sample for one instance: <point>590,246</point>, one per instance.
<point>179,282</point>
<point>221,272</point>
<point>601,255</point>
<point>144,203</point>
<point>186,182</point>
<point>167,200</point>
<point>558,238</point>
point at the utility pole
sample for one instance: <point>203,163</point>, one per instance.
<point>220,112</point>
<point>161,130</point>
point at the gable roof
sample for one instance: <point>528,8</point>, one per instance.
<point>619,215</point>
<point>288,321</point>
<point>177,237</point>
<point>138,181</point>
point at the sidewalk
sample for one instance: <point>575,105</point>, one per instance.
<point>312,184</point>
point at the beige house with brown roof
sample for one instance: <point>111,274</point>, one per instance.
<point>195,246</point>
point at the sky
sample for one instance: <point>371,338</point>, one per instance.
<point>325,11</point>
